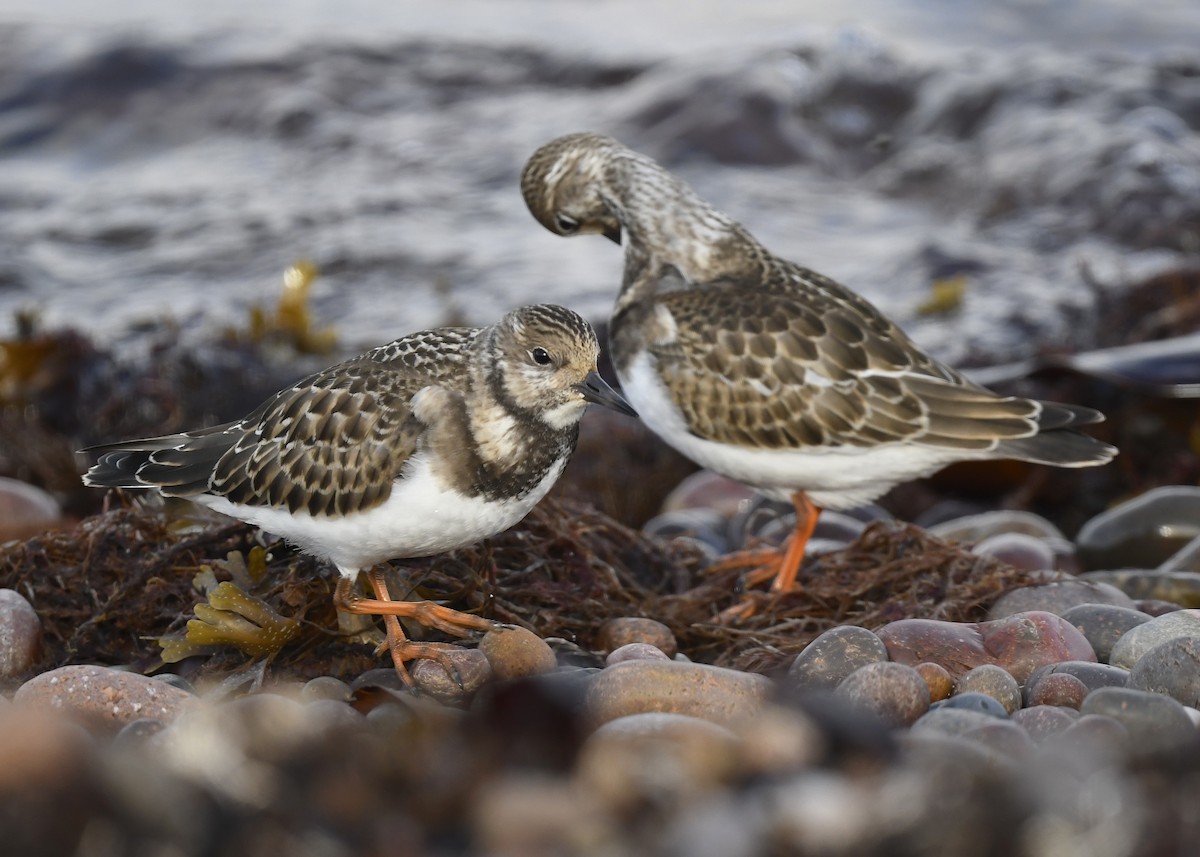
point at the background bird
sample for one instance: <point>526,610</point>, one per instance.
<point>765,371</point>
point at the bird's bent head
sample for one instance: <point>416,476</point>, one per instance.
<point>564,185</point>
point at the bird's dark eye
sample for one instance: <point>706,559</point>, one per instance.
<point>540,356</point>
<point>566,224</point>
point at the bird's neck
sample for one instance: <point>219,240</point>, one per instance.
<point>665,223</point>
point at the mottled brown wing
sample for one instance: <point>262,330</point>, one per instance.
<point>809,365</point>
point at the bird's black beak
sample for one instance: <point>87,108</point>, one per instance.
<point>595,389</point>
<point>613,233</point>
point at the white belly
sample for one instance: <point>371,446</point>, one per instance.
<point>833,478</point>
<point>419,518</point>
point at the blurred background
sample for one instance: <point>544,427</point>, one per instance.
<point>982,171</point>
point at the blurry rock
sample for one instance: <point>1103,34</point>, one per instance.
<point>1172,668</point>
<point>530,813</point>
<point>655,754</point>
<point>514,652</point>
<point>704,525</point>
<point>1142,532</point>
<point>1003,736</point>
<point>706,490</point>
<point>25,510</point>
<point>992,681</point>
<point>1182,588</point>
<point>835,654</point>
<point>976,528</point>
<point>973,700</point>
<point>952,721</point>
<point>615,633</point>
<point>1093,676</point>
<point>1155,722</point>
<point>474,671</point>
<point>1141,639</point>
<point>1103,624</point>
<point>1154,607</point>
<point>721,695</point>
<point>1058,689</point>
<point>137,732</point>
<point>1019,550</point>
<point>1018,643</point>
<point>938,679</point>
<point>1094,737</point>
<point>1042,721</point>
<point>635,652</point>
<point>104,699</point>
<point>779,740</point>
<point>894,692</point>
<point>1057,597</point>
<point>20,634</point>
<point>334,716</point>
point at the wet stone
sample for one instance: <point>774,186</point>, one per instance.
<point>325,687</point>
<point>1003,736</point>
<point>1155,722</point>
<point>1042,721</point>
<point>635,652</point>
<point>515,652</point>
<point>1156,607</point>
<point>334,715</point>
<point>980,703</point>
<point>1092,675</point>
<point>104,699</point>
<point>953,721</point>
<point>835,654</point>
<point>1058,597</point>
<point>992,681</point>
<point>1141,639</point>
<point>635,629</point>
<point>1059,689</point>
<point>706,490</point>
<point>720,695</point>
<point>1145,531</point>
<point>1018,550</point>
<point>474,670</point>
<point>976,528</point>
<point>1181,588</point>
<point>1095,737</point>
<point>1103,624</point>
<point>20,634</point>
<point>1172,668</point>
<point>938,679</point>
<point>703,525</point>
<point>382,677</point>
<point>1019,644</point>
<point>894,692</point>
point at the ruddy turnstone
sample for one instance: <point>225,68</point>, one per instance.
<point>429,443</point>
<point>765,371</point>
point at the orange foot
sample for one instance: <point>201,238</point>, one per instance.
<point>424,612</point>
<point>782,566</point>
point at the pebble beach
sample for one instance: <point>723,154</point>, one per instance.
<point>998,660</point>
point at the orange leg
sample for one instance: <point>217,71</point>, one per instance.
<point>425,612</point>
<point>806,522</point>
<point>782,567</point>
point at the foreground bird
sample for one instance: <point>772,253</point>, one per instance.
<point>430,443</point>
<point>764,371</point>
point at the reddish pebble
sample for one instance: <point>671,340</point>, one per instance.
<point>635,652</point>
<point>938,679</point>
<point>104,699</point>
<point>1042,721</point>
<point>1061,689</point>
<point>1018,643</point>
